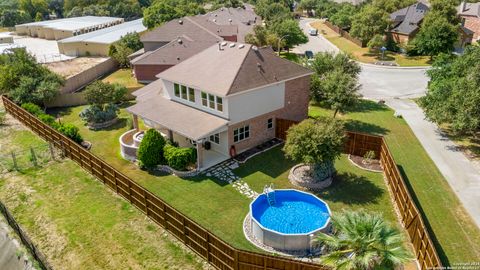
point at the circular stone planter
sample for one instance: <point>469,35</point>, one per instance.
<point>297,177</point>
<point>96,126</point>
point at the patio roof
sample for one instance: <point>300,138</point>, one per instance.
<point>182,119</point>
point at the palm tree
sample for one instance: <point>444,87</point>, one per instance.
<point>363,241</point>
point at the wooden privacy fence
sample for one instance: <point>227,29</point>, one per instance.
<point>218,253</point>
<point>345,34</point>
<point>358,144</point>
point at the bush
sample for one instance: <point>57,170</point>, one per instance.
<point>150,152</point>
<point>95,114</point>
<point>49,120</point>
<point>71,132</point>
<point>179,158</point>
<point>32,108</point>
<point>100,93</point>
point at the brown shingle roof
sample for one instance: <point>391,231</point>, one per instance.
<point>233,69</point>
<point>174,52</point>
<point>185,120</point>
<point>185,26</point>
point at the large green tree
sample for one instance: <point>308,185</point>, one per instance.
<point>127,45</point>
<point>328,62</point>
<point>436,35</point>
<point>370,21</point>
<point>343,17</point>
<point>24,80</point>
<point>453,95</point>
<point>165,10</point>
<point>363,241</point>
<point>316,143</point>
<point>289,32</point>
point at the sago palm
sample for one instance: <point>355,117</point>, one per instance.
<point>363,241</point>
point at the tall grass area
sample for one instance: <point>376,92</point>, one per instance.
<point>455,234</point>
<point>78,223</point>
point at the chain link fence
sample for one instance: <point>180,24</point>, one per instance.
<point>32,157</point>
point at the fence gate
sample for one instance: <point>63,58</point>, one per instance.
<point>281,127</point>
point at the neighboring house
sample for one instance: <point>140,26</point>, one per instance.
<point>406,22</point>
<point>177,40</point>
<point>224,100</point>
<point>97,43</point>
<point>469,13</point>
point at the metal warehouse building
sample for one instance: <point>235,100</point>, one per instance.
<point>65,28</point>
<point>97,43</point>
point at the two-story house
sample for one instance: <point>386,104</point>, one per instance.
<point>469,14</point>
<point>229,95</point>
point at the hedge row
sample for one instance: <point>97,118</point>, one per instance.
<point>155,150</point>
<point>68,130</point>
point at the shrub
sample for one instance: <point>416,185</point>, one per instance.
<point>71,132</point>
<point>179,157</point>
<point>150,152</point>
<point>100,93</point>
<point>95,114</point>
<point>32,108</point>
<point>369,157</point>
<point>49,120</point>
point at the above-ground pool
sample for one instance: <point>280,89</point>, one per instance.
<point>289,220</point>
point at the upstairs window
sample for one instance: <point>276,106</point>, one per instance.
<point>191,94</point>
<point>204,99</point>
<point>176,89</point>
<point>211,101</point>
<point>270,123</point>
<point>219,104</point>
<point>184,92</point>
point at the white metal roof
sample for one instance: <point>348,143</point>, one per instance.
<point>4,48</point>
<point>75,23</point>
<point>108,35</point>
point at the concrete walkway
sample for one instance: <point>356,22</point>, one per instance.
<point>462,174</point>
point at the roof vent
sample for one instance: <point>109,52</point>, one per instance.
<point>224,43</point>
<point>241,46</point>
<point>180,41</point>
<point>215,15</point>
<point>214,20</point>
<point>178,58</point>
<point>230,20</point>
<point>180,21</point>
<point>232,45</point>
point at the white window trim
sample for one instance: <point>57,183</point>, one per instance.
<point>238,134</point>
<point>213,141</point>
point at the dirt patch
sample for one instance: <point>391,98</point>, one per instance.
<point>373,165</point>
<point>74,66</point>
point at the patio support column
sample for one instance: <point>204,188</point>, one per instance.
<point>135,122</point>
<point>170,135</point>
<point>199,154</point>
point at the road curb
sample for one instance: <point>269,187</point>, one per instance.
<point>394,67</point>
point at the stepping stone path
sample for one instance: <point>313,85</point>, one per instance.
<point>223,172</point>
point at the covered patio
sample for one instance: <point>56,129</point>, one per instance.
<point>185,125</point>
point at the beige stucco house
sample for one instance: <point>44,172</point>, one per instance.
<point>223,101</point>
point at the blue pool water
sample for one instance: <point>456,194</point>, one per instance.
<point>294,212</point>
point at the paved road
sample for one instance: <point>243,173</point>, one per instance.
<point>315,43</point>
<point>397,86</point>
<point>462,174</point>
<point>382,82</point>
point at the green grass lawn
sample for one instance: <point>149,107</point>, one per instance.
<point>217,205</point>
<point>456,236</point>
<point>123,77</point>
<point>78,223</point>
<point>363,54</point>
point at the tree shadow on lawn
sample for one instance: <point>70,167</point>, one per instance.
<point>199,178</point>
<point>438,246</point>
<point>351,189</point>
<point>359,126</point>
<point>364,106</point>
<point>272,163</point>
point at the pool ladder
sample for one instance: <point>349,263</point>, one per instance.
<point>269,191</point>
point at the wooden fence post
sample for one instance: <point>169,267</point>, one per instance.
<point>33,157</point>
<point>14,160</point>
<point>52,153</point>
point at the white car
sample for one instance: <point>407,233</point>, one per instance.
<point>313,32</point>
